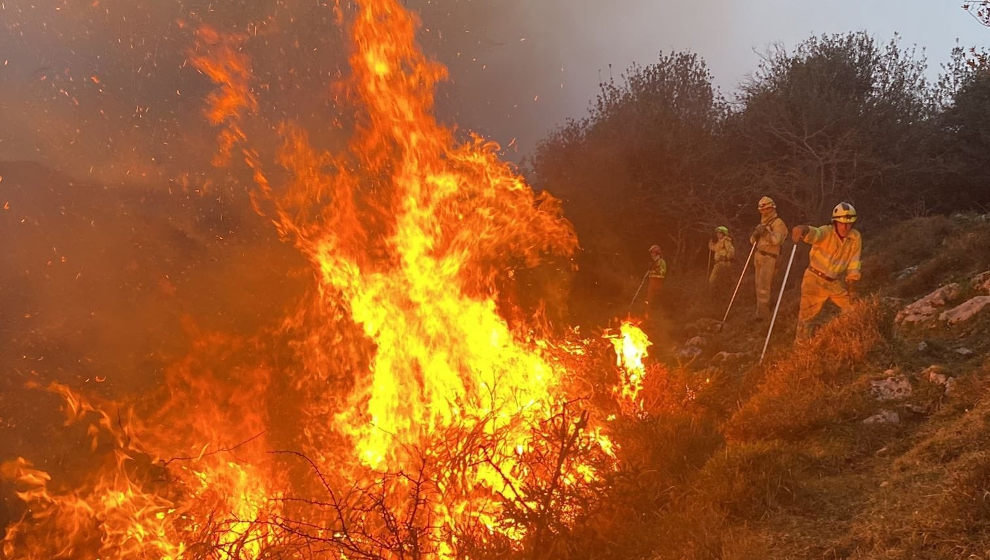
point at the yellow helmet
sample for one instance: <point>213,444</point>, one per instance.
<point>844,213</point>
<point>654,249</point>
<point>766,202</point>
<point>722,229</point>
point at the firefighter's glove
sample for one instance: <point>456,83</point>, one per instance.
<point>759,231</point>
<point>853,288</point>
<point>798,233</point>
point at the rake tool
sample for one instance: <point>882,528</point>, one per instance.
<point>752,249</point>
<point>639,289</point>
<point>776,307</point>
<point>708,267</point>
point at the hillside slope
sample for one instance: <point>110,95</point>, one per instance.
<point>872,440</point>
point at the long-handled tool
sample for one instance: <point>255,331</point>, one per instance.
<point>776,307</point>
<point>639,289</point>
<point>734,292</point>
<point>708,267</point>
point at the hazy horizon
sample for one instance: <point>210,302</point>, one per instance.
<point>104,89</point>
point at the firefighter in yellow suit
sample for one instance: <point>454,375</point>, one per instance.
<point>833,268</point>
<point>723,253</point>
<point>768,236</point>
<point>658,271</point>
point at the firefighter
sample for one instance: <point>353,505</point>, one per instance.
<point>723,253</point>
<point>658,271</point>
<point>833,268</point>
<point>768,236</point>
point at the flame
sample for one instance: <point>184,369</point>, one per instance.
<point>630,349</point>
<point>423,419</point>
<point>445,365</point>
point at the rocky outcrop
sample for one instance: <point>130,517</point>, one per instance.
<point>928,308</point>
<point>965,311</point>
<point>884,417</point>
<point>893,387</point>
<point>981,282</point>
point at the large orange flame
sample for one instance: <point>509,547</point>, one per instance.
<point>426,423</point>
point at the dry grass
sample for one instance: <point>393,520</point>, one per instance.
<point>943,249</point>
<point>820,382</point>
<point>931,498</point>
<point>959,429</point>
<point>938,512</point>
<point>753,480</point>
<point>701,531</point>
<point>657,456</point>
<point>726,510</point>
<point>903,245</point>
<point>667,449</point>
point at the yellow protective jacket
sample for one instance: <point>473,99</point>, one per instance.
<point>723,249</point>
<point>833,256</point>
<point>659,268</point>
<point>769,242</point>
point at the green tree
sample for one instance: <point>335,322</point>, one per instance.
<point>839,118</point>
<point>966,139</point>
<point>640,169</point>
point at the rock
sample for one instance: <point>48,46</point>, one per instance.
<point>692,348</point>
<point>923,346</point>
<point>703,326</point>
<point>883,417</point>
<point>981,282</point>
<point>927,308</point>
<point>891,388</point>
<point>907,272</point>
<point>965,311</point>
<point>963,351</point>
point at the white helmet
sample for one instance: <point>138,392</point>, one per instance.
<point>844,213</point>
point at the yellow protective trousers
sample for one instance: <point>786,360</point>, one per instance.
<point>765,265</point>
<point>720,273</point>
<point>815,291</point>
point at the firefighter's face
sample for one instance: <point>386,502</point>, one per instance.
<point>843,229</point>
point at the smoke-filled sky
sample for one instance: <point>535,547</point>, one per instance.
<point>540,61</point>
<point>103,87</point>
